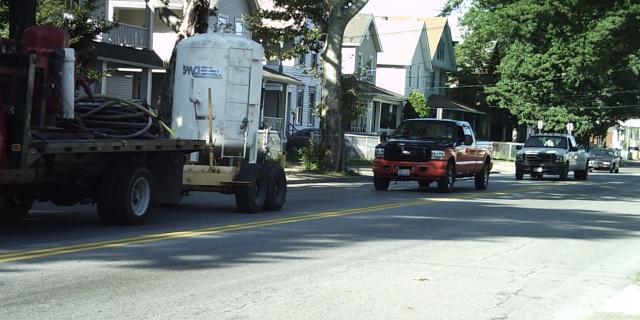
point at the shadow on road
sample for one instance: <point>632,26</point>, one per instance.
<point>486,216</point>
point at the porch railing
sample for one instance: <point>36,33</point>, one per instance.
<point>276,124</point>
<point>127,35</point>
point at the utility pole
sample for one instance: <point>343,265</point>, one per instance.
<point>22,15</point>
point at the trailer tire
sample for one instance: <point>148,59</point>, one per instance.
<point>251,199</point>
<point>132,196</point>
<point>276,187</point>
<point>104,197</point>
<point>15,207</point>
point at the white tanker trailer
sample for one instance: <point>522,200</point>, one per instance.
<point>217,87</point>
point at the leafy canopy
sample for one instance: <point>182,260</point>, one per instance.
<point>419,103</point>
<point>561,61</point>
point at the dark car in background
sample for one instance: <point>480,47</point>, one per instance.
<point>604,159</point>
<point>301,138</point>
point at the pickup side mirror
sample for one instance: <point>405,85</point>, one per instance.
<point>573,149</point>
<point>518,147</point>
<point>468,139</point>
<point>383,137</point>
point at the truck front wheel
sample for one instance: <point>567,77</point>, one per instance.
<point>381,183</point>
<point>445,185</point>
<point>564,172</point>
<point>251,198</point>
<point>132,194</point>
<point>519,173</point>
<point>15,207</point>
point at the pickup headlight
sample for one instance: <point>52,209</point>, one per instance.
<point>560,158</point>
<point>379,153</point>
<point>519,156</point>
<point>437,155</point>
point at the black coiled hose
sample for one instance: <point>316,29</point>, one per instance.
<point>111,117</point>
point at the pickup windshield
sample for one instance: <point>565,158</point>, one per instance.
<point>426,130</point>
<point>546,142</point>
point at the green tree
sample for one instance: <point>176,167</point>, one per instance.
<point>419,103</point>
<point>560,61</point>
<point>309,25</point>
<point>77,19</point>
<point>195,16</point>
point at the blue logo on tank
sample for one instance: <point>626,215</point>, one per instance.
<point>203,72</point>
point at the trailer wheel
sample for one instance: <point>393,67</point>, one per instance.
<point>276,187</point>
<point>251,198</point>
<point>132,194</point>
<point>15,207</point>
<point>104,197</point>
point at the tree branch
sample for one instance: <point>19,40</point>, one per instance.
<point>355,8</point>
<point>166,15</point>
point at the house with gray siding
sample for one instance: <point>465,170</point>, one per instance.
<point>404,65</point>
<point>360,49</point>
<point>139,75</point>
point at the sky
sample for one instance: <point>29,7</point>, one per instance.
<point>413,8</point>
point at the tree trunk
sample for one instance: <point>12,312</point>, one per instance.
<point>196,15</point>
<point>331,115</point>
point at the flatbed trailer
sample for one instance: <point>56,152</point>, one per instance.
<point>123,177</point>
<point>48,151</point>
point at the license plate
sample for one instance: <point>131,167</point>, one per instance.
<point>404,172</point>
<point>537,169</point>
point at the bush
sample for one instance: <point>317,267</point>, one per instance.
<point>311,157</point>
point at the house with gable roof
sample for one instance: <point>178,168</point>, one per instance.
<point>360,48</point>
<point>403,66</point>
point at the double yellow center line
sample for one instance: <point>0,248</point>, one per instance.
<point>54,251</point>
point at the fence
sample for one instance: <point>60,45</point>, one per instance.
<point>505,150</point>
<point>275,124</point>
<point>362,147</point>
<point>127,35</point>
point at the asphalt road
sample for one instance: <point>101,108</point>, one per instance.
<point>520,250</point>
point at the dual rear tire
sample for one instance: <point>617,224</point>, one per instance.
<point>266,188</point>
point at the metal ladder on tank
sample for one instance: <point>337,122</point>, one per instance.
<point>246,129</point>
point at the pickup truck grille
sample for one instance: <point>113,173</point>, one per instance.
<point>407,153</point>
<point>539,158</point>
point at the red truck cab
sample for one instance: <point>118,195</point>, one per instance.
<point>428,150</point>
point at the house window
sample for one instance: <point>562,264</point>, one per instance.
<point>359,64</point>
<point>239,27</point>
<point>440,51</point>
<point>301,60</point>
<point>433,79</point>
<point>299,102</point>
<point>314,60</point>
<point>312,107</point>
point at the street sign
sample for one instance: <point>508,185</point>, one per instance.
<point>540,124</point>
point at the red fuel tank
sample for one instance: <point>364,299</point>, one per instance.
<point>44,37</point>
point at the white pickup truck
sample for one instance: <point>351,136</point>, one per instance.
<point>551,154</point>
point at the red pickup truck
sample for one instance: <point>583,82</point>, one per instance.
<point>428,150</point>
